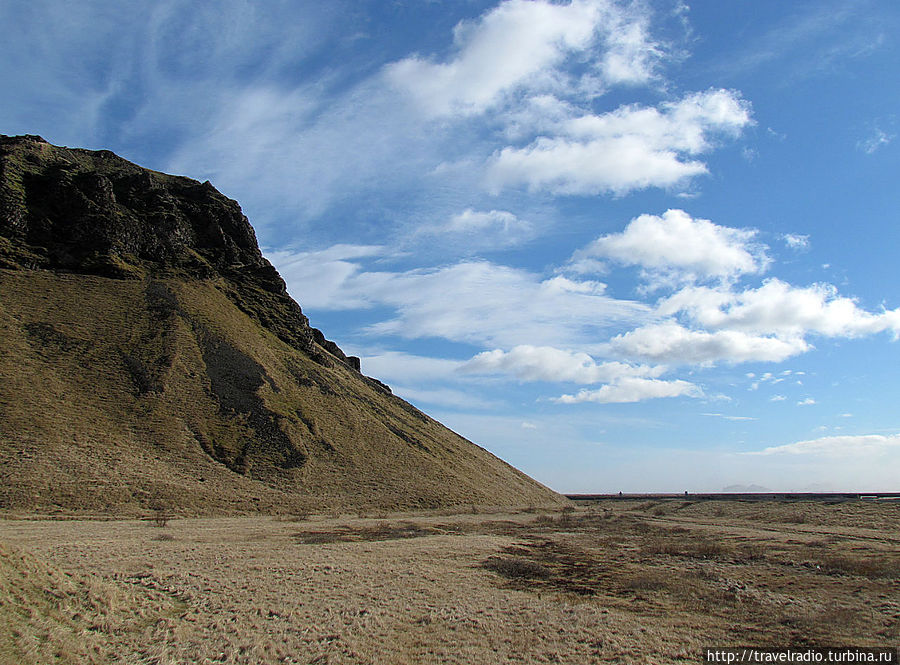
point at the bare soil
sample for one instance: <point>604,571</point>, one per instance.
<point>610,582</point>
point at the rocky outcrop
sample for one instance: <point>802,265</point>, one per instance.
<point>93,212</point>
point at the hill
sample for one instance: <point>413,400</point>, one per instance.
<point>150,357</point>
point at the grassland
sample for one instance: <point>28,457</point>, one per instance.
<point>611,582</point>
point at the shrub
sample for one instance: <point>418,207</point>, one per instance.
<point>160,517</point>
<point>517,568</point>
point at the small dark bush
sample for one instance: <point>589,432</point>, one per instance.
<point>646,582</point>
<point>160,518</point>
<point>516,568</point>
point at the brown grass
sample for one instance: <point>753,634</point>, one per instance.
<point>609,584</point>
<point>51,616</point>
<point>126,397</point>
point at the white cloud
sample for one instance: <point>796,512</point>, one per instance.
<point>478,302</point>
<point>405,367</point>
<point>109,71</point>
<point>778,308</point>
<point>533,363</point>
<point>473,221</point>
<point>726,417</point>
<point>810,41</point>
<point>837,446</point>
<point>318,278</point>
<point>447,397</point>
<point>809,401</point>
<point>676,243</point>
<point>485,229</point>
<point>521,45</point>
<point>297,138</point>
<point>878,139</point>
<point>634,389</point>
<point>796,240</point>
<point>631,54</point>
<point>494,305</point>
<point>777,398</point>
<point>630,148</point>
<point>670,342</point>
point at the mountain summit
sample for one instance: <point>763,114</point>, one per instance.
<point>150,357</point>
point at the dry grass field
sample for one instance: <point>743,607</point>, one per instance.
<point>610,582</point>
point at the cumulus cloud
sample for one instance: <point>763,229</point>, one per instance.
<point>796,240</point>
<point>520,45</point>
<point>837,446</point>
<point>545,363</point>
<point>670,342</point>
<point>633,389</point>
<point>778,308</point>
<point>676,243</point>
<point>627,149</point>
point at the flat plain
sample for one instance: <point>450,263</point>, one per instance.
<point>607,582</point>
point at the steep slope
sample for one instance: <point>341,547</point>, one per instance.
<point>151,357</point>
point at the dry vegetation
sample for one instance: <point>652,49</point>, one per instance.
<point>613,582</point>
<point>122,396</point>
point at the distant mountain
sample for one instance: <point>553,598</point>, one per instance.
<point>745,489</point>
<point>151,357</point>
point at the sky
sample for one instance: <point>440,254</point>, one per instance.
<point>625,246</point>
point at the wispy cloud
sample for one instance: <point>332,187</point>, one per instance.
<point>838,446</point>
<point>812,40</point>
<point>479,302</point>
<point>405,368</point>
<point>876,140</point>
<point>446,397</point>
<point>477,230</point>
<point>727,417</point>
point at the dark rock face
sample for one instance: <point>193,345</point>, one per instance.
<point>93,212</point>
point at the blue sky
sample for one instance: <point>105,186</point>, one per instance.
<point>640,246</point>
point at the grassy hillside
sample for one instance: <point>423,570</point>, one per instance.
<point>128,395</point>
<point>151,358</point>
